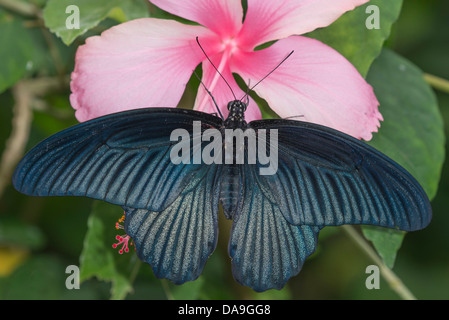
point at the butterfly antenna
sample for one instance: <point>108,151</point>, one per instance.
<point>198,41</point>
<point>283,60</point>
<point>247,93</point>
<point>291,117</point>
<point>213,99</point>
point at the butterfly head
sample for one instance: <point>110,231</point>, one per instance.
<point>236,117</point>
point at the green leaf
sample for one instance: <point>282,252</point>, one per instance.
<point>91,13</point>
<point>283,294</point>
<point>412,133</point>
<point>188,291</point>
<point>99,259</point>
<point>134,9</point>
<point>386,241</point>
<point>43,277</point>
<point>16,50</point>
<point>350,36</point>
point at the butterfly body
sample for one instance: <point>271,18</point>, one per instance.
<point>231,182</point>
<point>323,178</point>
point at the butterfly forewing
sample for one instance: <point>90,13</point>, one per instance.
<point>122,158</point>
<point>328,178</point>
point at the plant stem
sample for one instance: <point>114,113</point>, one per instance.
<point>24,92</point>
<point>437,82</point>
<point>393,280</point>
<point>23,8</point>
<point>16,143</point>
<point>135,271</point>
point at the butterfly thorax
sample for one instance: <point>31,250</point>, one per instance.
<point>236,117</point>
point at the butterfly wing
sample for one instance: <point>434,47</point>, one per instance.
<point>177,241</point>
<point>323,178</point>
<point>123,158</point>
<point>266,250</point>
<point>326,178</point>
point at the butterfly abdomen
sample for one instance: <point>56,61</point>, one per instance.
<point>230,189</point>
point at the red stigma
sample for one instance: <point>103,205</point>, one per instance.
<point>124,240</point>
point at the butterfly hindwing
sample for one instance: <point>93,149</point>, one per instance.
<point>325,177</point>
<point>177,241</point>
<point>266,250</point>
<point>123,158</point>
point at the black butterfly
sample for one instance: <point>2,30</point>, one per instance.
<point>324,178</point>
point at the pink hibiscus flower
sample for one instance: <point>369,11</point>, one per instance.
<point>147,63</point>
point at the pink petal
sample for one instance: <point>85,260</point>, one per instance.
<point>315,82</point>
<point>141,63</point>
<point>224,17</point>
<point>220,91</point>
<point>268,20</point>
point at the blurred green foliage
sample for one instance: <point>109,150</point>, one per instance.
<point>40,237</point>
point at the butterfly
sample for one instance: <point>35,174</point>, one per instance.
<point>323,178</point>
